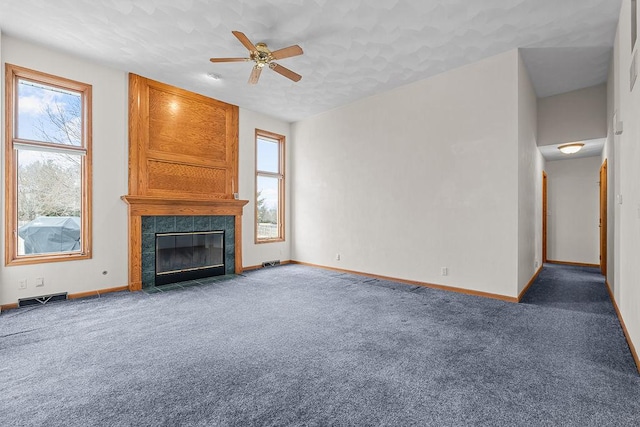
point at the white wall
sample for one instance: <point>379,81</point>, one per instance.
<point>573,116</point>
<point>627,181</point>
<point>608,153</point>
<point>109,179</point>
<point>530,164</point>
<point>255,254</point>
<point>415,179</point>
<point>573,210</point>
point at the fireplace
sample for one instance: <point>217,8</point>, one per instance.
<point>220,228</point>
<point>180,181</point>
<point>149,216</point>
<point>189,256</point>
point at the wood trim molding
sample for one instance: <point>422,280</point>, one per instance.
<point>632,348</point>
<point>77,295</point>
<point>416,283</point>
<point>545,208</point>
<point>574,264</point>
<point>258,267</point>
<point>156,206</point>
<point>97,292</point>
<point>531,281</point>
<point>11,306</point>
<point>603,217</point>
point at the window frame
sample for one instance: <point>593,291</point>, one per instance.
<point>280,175</point>
<point>13,74</point>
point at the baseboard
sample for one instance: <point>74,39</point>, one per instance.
<point>574,264</point>
<point>11,306</point>
<point>97,293</point>
<point>634,353</point>
<point>257,267</point>
<point>526,288</point>
<point>75,296</point>
<point>415,283</point>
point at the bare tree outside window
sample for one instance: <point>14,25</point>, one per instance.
<point>49,174</point>
<point>269,187</point>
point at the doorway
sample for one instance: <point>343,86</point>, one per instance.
<point>544,216</point>
<point>603,218</point>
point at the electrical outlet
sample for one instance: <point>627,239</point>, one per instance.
<point>536,264</point>
<point>444,271</point>
<point>39,282</point>
<point>337,257</point>
<point>22,284</point>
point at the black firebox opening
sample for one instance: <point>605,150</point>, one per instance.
<point>189,256</point>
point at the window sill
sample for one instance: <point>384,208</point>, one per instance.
<point>42,259</point>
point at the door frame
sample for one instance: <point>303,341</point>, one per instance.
<point>544,216</point>
<point>603,217</point>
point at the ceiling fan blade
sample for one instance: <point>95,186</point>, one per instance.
<point>255,75</point>
<point>244,40</point>
<point>285,72</point>
<point>229,59</point>
<point>287,52</point>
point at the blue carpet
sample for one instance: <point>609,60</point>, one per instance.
<point>571,288</point>
<point>294,345</point>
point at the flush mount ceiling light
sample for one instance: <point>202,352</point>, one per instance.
<point>571,148</point>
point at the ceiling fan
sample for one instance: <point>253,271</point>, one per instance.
<point>263,57</point>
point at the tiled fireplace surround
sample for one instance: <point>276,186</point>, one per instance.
<point>172,224</point>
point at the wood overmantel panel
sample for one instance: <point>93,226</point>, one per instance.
<point>181,144</point>
<point>183,161</point>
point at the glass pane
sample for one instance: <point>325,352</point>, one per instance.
<point>268,155</point>
<point>49,202</point>
<point>49,114</point>
<point>176,252</point>
<point>267,201</point>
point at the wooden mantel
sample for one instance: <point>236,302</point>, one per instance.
<point>155,206</point>
<point>140,206</point>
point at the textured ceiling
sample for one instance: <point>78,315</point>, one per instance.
<point>353,48</point>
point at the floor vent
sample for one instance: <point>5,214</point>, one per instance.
<point>41,300</point>
<point>271,263</point>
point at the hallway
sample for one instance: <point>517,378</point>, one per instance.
<point>592,327</point>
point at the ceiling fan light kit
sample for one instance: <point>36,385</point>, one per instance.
<point>263,57</point>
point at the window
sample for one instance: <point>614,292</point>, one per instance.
<point>269,187</point>
<point>47,167</point>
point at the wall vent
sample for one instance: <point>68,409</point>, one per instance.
<point>41,300</point>
<point>271,263</point>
